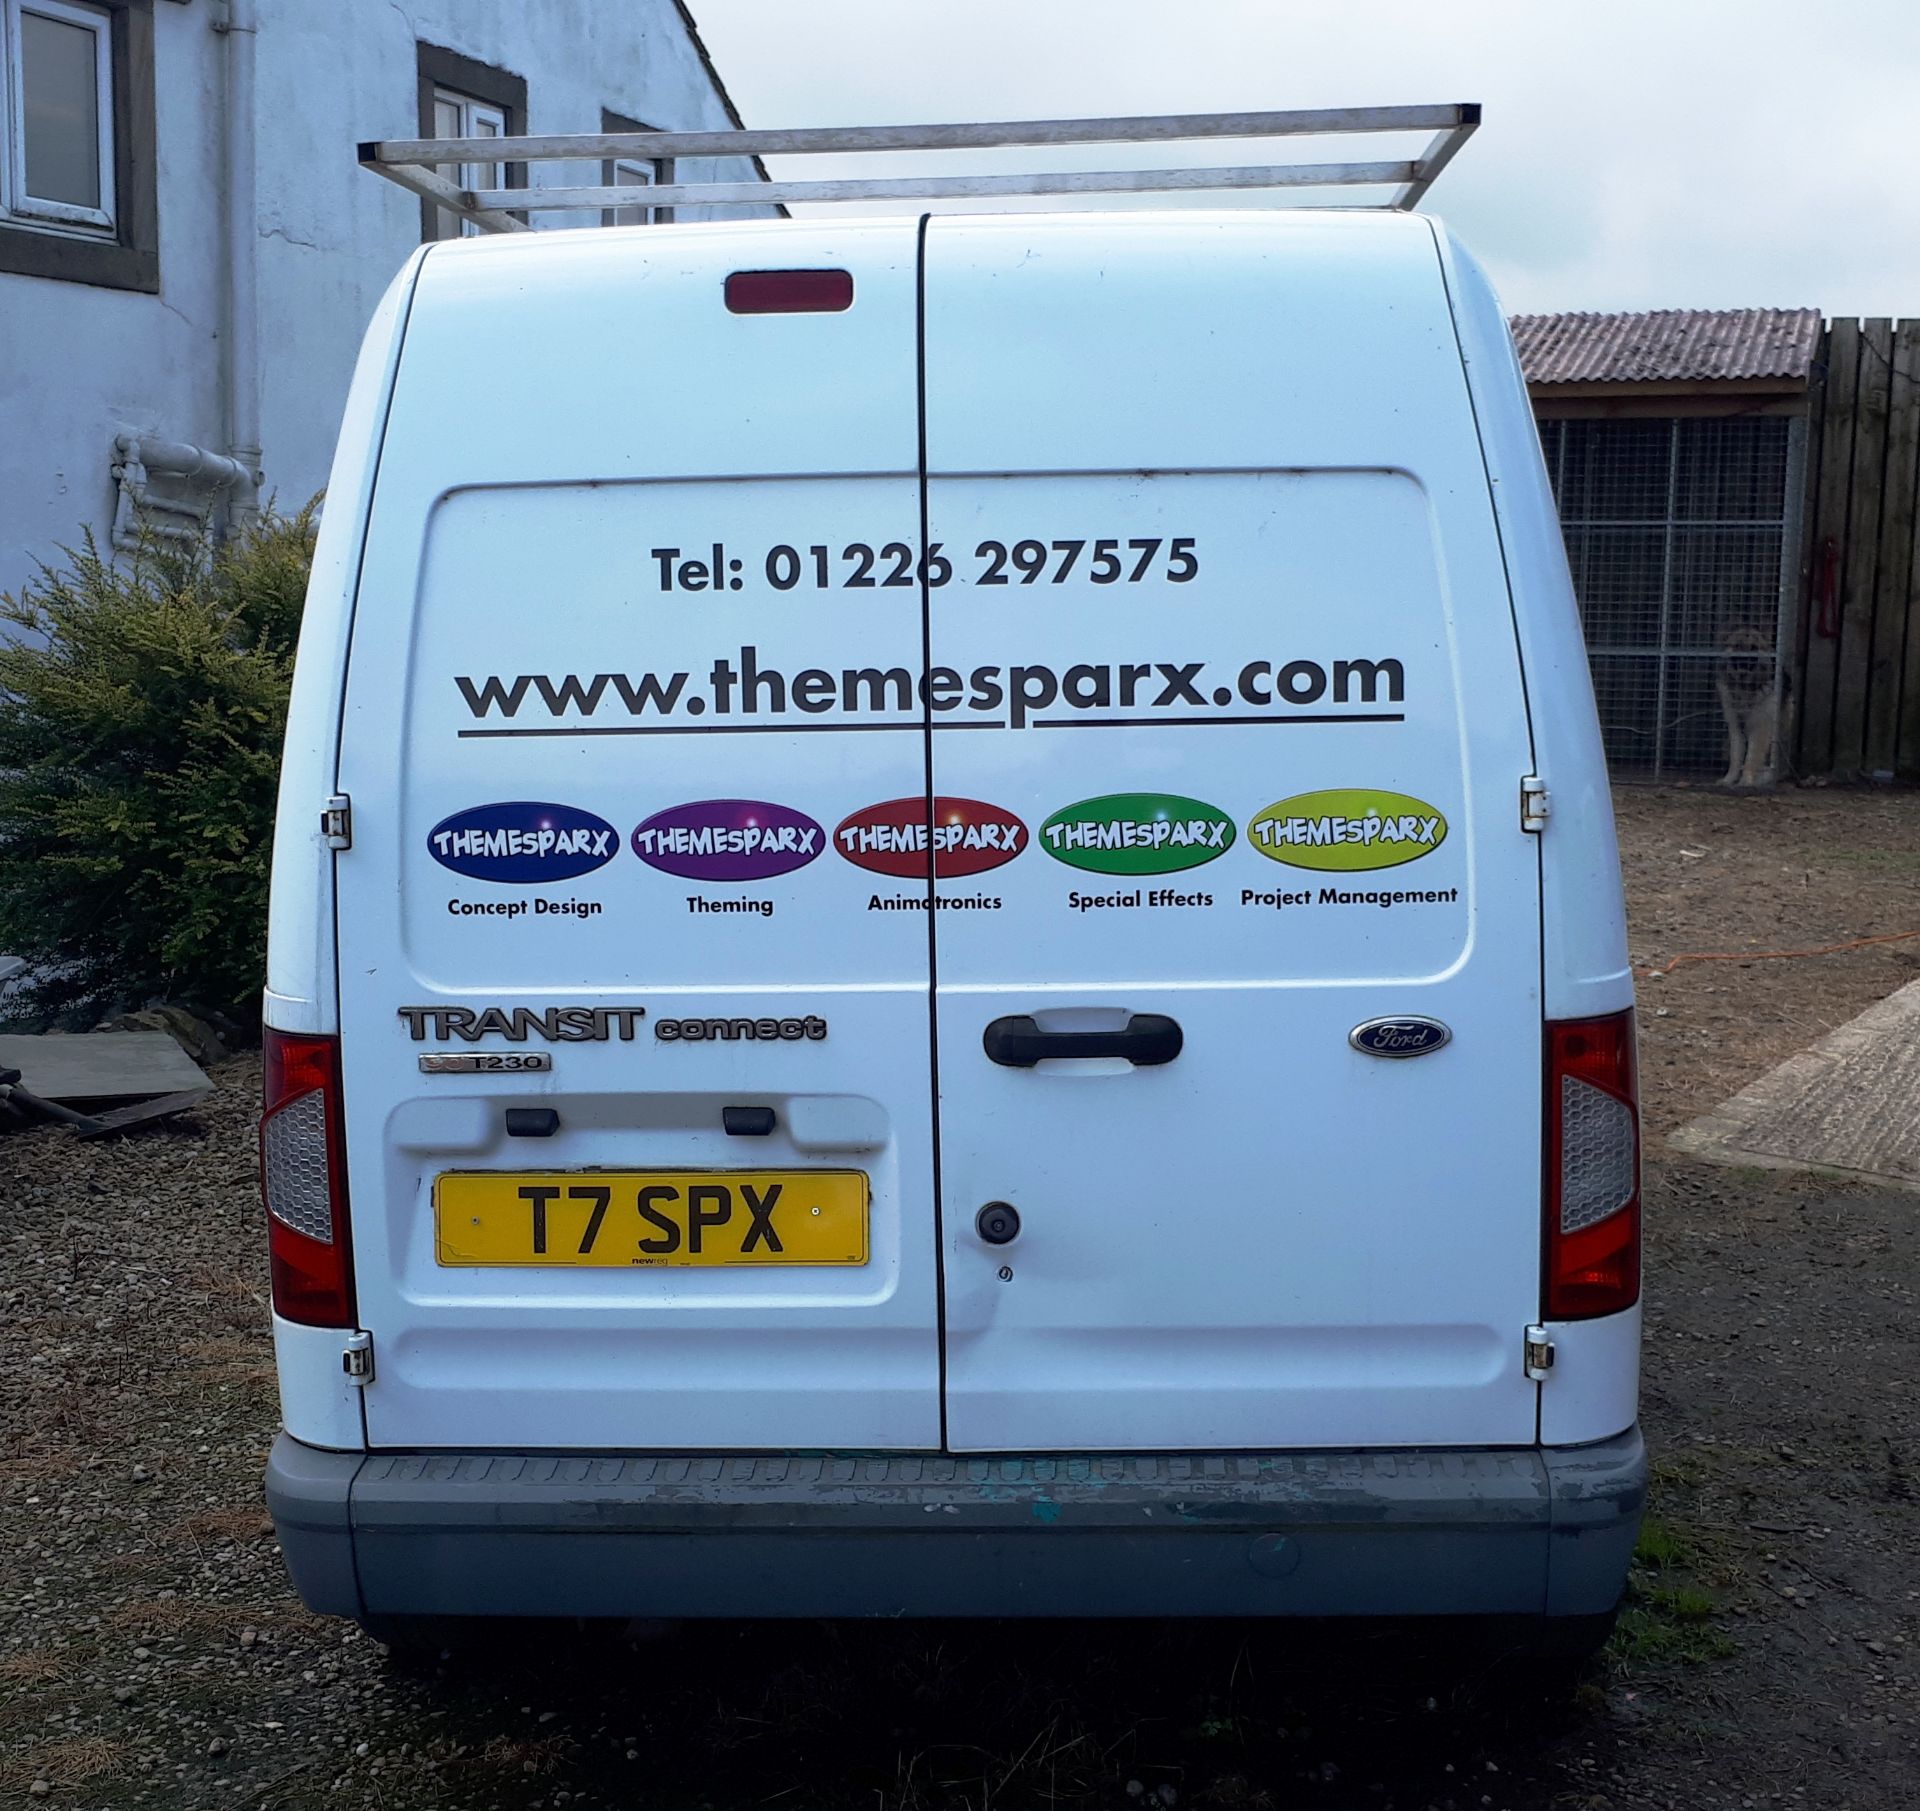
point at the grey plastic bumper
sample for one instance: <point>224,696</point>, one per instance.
<point>1525,1532</point>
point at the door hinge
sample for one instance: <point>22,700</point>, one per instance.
<point>1537,1354</point>
<point>1534,803</point>
<point>357,1359</point>
<point>336,822</point>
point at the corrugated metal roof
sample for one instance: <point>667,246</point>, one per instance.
<point>1668,345</point>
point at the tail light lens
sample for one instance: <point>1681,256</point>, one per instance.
<point>303,1181</point>
<point>1593,1168</point>
<point>789,291</point>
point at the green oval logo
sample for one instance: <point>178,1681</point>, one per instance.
<point>1137,833</point>
<point>1344,831</point>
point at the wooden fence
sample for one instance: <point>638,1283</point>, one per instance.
<point>1858,644</point>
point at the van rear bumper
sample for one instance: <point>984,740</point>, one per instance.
<point>1527,1531</point>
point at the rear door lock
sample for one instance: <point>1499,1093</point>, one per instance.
<point>998,1223</point>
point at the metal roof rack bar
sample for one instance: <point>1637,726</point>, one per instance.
<point>451,196</point>
<point>413,162</point>
<point>1441,150</point>
<point>788,141</point>
<point>938,188</point>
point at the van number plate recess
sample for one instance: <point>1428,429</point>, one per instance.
<point>649,1219</point>
<point>485,1062</point>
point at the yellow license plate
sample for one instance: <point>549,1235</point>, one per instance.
<point>658,1219</point>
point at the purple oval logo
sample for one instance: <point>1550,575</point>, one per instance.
<point>728,839</point>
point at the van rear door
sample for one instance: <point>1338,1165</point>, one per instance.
<point>1228,623</point>
<point>637,1091</point>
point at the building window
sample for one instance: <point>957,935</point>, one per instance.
<point>461,116</point>
<point>76,141</point>
<point>633,173</point>
<point>627,173</point>
<point>60,108</point>
<point>460,98</point>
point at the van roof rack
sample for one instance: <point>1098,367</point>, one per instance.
<point>415,163</point>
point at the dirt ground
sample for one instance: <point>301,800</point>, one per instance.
<point>1713,873</point>
<point>151,1652</point>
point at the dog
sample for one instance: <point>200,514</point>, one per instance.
<point>1750,702</point>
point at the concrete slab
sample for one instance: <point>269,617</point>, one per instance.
<point>1848,1105</point>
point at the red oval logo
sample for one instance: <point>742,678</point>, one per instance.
<point>968,837</point>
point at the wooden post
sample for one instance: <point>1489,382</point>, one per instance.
<point>1907,742</point>
<point>1894,584</point>
<point>1791,756</point>
<point>1859,579</point>
<point>1894,554</point>
<point>1829,522</point>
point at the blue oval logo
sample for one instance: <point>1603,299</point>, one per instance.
<point>1399,1036</point>
<point>522,843</point>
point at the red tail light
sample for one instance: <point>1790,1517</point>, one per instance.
<point>789,291</point>
<point>303,1181</point>
<point>1593,1168</point>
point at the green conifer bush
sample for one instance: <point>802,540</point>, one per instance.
<point>140,724</point>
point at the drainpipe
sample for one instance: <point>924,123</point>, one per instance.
<point>137,457</point>
<point>241,243</point>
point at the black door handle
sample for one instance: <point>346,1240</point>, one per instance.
<point>1147,1038</point>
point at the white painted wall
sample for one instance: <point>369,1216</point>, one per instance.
<point>79,365</point>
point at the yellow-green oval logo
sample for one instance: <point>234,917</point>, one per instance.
<point>1344,831</point>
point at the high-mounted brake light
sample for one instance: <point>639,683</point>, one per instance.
<point>789,291</point>
<point>303,1181</point>
<point>1593,1168</point>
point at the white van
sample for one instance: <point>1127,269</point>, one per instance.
<point>946,940</point>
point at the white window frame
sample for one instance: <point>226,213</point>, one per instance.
<point>475,114</point>
<point>634,173</point>
<point>16,203</point>
<point>630,173</point>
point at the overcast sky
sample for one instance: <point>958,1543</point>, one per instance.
<point>1634,154</point>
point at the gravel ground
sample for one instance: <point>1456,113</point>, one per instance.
<point>152,1654</point>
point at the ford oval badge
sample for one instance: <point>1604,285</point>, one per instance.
<point>1399,1036</point>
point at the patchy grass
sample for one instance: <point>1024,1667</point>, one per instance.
<point>217,1527</point>
<point>150,1617</point>
<point>1668,1617</point>
<point>221,1353</point>
<point>200,1617</point>
<point>1898,860</point>
<point>68,1420</point>
<point>505,1759</point>
<point>32,1468</point>
<point>67,1763</point>
<point>126,1565</point>
<point>233,1299</point>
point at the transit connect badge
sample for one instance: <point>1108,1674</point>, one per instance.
<point>728,839</point>
<point>1345,831</point>
<point>1137,833</point>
